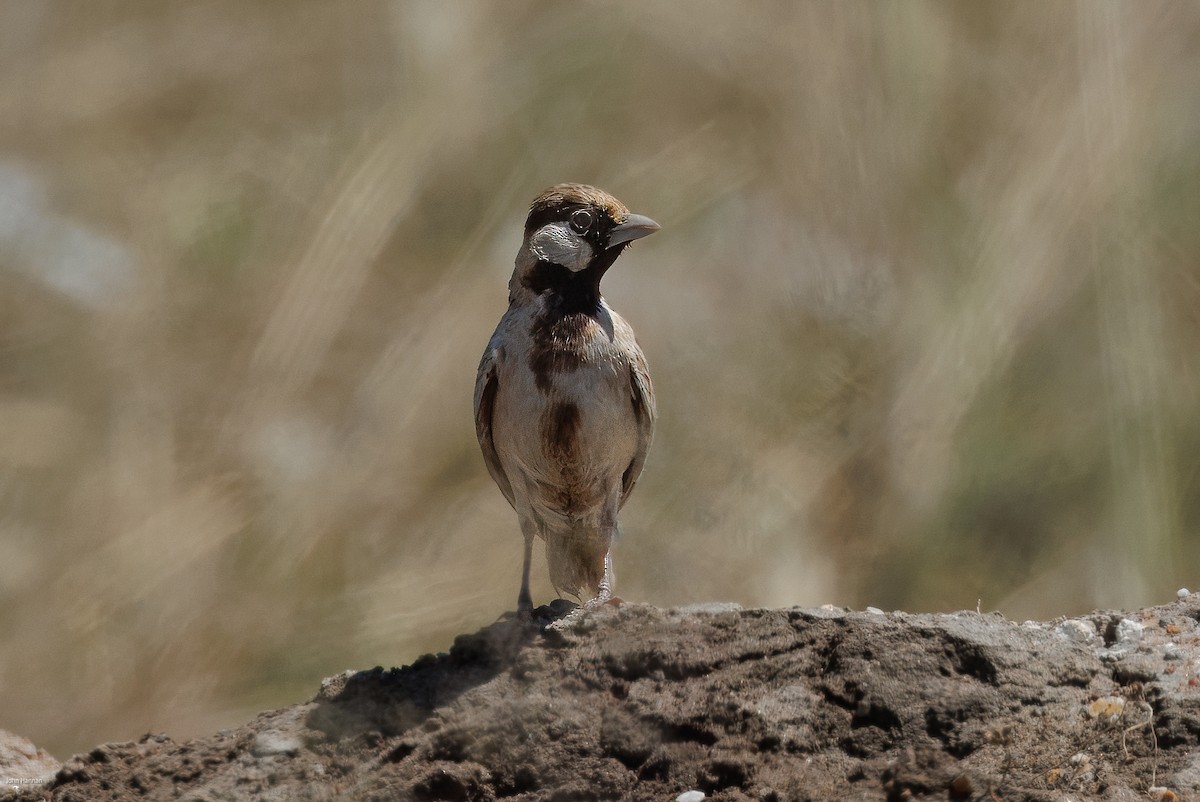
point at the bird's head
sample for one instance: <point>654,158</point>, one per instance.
<point>573,234</point>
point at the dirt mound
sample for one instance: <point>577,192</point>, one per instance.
<point>641,703</point>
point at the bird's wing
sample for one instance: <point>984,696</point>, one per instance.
<point>644,412</point>
<point>486,384</point>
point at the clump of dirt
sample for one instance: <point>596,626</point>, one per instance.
<point>640,703</point>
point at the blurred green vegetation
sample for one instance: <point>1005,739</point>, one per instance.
<point>922,319</point>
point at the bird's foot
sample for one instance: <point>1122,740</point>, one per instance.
<point>525,611</point>
<point>603,601</point>
<point>546,614</point>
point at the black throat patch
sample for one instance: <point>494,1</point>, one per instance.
<point>570,317</point>
<point>571,292</point>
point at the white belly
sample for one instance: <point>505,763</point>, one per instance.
<point>566,450</point>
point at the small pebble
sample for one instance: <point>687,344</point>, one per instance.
<point>1183,593</point>
<point>961,787</point>
<point>274,742</point>
<point>1076,631</point>
<point>690,796</point>
<point>827,611</point>
<point>874,611</point>
<point>1171,652</point>
<point>1129,631</point>
<point>1108,708</point>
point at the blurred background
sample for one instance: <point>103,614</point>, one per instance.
<point>923,320</point>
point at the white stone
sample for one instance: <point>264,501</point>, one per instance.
<point>1076,631</point>
<point>1129,631</point>
<point>274,742</point>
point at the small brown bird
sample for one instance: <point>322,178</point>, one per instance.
<point>564,408</point>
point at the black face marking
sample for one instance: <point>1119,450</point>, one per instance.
<point>592,214</point>
<point>573,292</point>
<point>592,225</point>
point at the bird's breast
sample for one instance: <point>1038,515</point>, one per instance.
<point>563,409</point>
<point>560,345</point>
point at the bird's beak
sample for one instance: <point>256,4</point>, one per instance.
<point>635,226</point>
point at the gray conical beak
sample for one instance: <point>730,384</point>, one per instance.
<point>635,226</point>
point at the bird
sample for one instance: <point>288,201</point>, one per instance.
<point>564,405</point>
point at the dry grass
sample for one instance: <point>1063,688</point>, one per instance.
<point>923,320</point>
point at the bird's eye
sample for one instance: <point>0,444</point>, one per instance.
<point>581,220</point>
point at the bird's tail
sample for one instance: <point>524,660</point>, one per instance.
<point>576,561</point>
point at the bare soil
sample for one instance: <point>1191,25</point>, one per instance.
<point>640,703</point>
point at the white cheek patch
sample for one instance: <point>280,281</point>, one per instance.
<point>557,243</point>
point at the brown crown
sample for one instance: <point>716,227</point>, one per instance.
<point>554,202</point>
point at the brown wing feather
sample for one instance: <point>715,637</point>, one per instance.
<point>642,395</point>
<point>485,403</point>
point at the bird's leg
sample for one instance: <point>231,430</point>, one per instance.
<point>524,599</point>
<point>606,584</point>
<point>604,594</point>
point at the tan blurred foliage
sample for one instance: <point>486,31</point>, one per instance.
<point>923,320</point>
